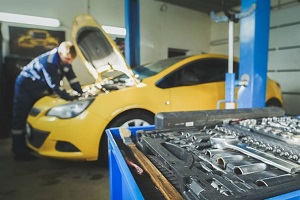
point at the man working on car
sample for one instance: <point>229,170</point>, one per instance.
<point>41,74</point>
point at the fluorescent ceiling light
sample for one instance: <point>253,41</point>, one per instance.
<point>27,19</point>
<point>114,30</point>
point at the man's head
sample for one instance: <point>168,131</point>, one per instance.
<point>67,52</point>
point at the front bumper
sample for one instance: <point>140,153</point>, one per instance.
<point>71,139</point>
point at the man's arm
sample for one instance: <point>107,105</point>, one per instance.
<point>52,76</point>
<point>72,78</point>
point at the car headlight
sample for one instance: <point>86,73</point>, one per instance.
<point>69,110</point>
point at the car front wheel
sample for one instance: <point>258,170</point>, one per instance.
<point>133,118</point>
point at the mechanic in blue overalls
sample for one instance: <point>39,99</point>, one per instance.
<point>42,74</point>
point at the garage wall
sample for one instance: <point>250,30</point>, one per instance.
<point>65,11</point>
<point>166,26</point>
<point>284,49</point>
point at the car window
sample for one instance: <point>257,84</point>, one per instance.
<point>38,35</point>
<point>154,68</point>
<point>198,72</point>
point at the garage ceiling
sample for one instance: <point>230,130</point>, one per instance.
<point>205,6</point>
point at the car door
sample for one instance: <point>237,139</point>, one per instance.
<point>198,85</point>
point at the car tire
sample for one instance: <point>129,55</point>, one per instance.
<point>127,119</point>
<point>135,118</point>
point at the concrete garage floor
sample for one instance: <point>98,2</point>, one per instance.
<point>48,179</point>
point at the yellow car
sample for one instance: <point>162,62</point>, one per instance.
<point>37,38</point>
<point>124,97</point>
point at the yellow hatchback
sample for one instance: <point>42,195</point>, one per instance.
<point>122,96</point>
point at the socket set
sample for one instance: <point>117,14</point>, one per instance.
<point>254,158</point>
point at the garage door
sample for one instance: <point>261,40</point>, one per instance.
<point>284,54</point>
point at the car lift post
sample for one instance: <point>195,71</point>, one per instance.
<point>254,41</point>
<point>132,39</point>
<point>230,82</point>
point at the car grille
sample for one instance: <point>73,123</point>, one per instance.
<point>34,112</point>
<point>36,137</point>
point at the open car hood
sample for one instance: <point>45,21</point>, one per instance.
<point>97,50</point>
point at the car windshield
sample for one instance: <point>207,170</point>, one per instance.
<point>154,68</point>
